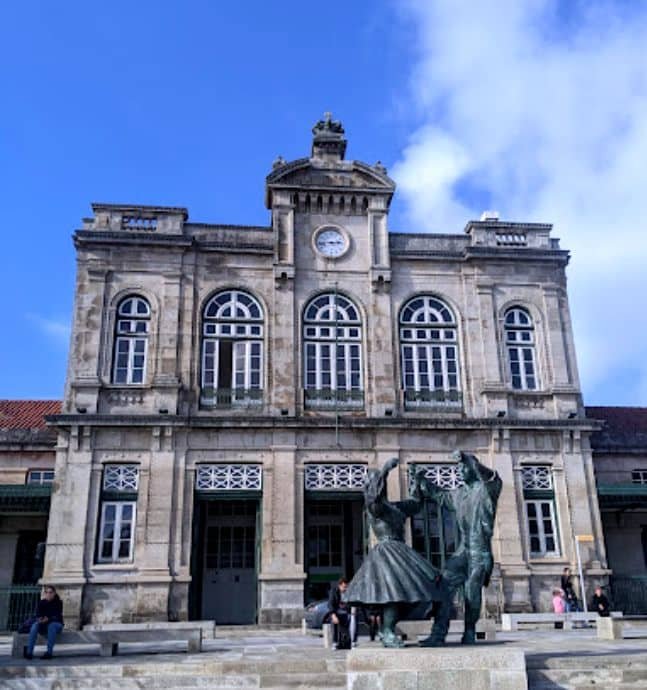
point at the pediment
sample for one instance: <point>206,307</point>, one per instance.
<point>351,175</point>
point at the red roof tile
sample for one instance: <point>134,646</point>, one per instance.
<point>27,414</point>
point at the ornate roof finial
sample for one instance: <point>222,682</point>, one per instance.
<point>278,162</point>
<point>328,142</point>
<point>328,125</point>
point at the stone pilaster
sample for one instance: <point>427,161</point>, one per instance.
<point>66,535</point>
<point>508,538</point>
<point>281,576</point>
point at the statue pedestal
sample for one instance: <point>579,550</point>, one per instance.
<point>478,667</point>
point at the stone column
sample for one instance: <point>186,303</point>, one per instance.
<point>281,576</point>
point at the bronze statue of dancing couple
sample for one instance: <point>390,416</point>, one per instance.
<point>396,578</point>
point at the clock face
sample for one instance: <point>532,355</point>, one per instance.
<point>331,242</point>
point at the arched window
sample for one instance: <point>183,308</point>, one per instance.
<point>520,346</point>
<point>131,340</point>
<point>232,350</point>
<point>332,335</point>
<point>428,338</point>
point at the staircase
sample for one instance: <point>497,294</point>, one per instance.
<point>310,670</point>
<point>584,671</point>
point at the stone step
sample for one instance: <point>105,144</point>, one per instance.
<point>615,677</point>
<point>302,681</point>
<point>588,661</point>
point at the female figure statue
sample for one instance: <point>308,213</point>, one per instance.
<point>393,576</point>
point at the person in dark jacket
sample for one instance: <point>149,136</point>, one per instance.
<point>338,610</point>
<point>569,592</point>
<point>601,603</point>
<point>49,624</point>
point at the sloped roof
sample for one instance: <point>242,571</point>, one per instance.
<point>27,414</point>
<point>624,428</point>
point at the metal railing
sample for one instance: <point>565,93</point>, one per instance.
<point>17,603</point>
<point>329,399</point>
<point>231,397</point>
<point>629,594</point>
<point>427,399</point>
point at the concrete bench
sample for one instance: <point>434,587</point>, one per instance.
<point>510,622</point>
<point>109,640</point>
<point>208,627</point>
<point>485,628</point>
<point>609,628</point>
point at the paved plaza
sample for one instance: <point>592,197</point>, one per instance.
<point>249,658</point>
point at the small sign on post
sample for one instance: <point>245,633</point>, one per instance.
<point>582,538</point>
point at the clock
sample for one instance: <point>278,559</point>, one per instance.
<point>330,242</point>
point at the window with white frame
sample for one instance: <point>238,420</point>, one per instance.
<point>116,540</point>
<point>520,347</point>
<point>539,506</point>
<point>639,476</point>
<point>332,346</point>
<point>429,350</point>
<point>131,341</point>
<point>40,476</point>
<point>232,350</point>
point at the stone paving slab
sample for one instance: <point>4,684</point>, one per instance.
<point>263,659</point>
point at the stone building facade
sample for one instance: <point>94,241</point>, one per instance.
<point>620,461</point>
<point>27,459</point>
<point>228,387</point>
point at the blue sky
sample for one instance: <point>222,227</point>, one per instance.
<point>531,107</point>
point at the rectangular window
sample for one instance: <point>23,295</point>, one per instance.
<point>522,367</point>
<point>430,368</point>
<point>333,367</point>
<point>117,532</point>
<point>130,360</point>
<point>116,539</point>
<point>230,369</point>
<point>542,529</point>
<point>639,476</point>
<point>40,476</point>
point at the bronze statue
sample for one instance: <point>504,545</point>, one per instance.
<point>393,576</point>
<point>475,507</point>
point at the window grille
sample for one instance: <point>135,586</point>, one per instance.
<point>447,476</point>
<point>120,478</point>
<point>337,476</point>
<point>537,477</point>
<point>229,477</point>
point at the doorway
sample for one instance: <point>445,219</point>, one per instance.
<point>225,565</point>
<point>335,540</point>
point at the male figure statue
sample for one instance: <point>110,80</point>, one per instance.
<point>475,507</point>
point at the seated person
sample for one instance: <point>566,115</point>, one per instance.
<point>49,622</point>
<point>600,603</point>
<point>339,611</point>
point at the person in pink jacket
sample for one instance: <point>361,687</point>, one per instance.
<point>559,604</point>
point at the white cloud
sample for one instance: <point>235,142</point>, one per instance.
<point>539,110</point>
<point>59,331</point>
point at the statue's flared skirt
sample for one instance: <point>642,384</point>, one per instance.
<point>394,572</point>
